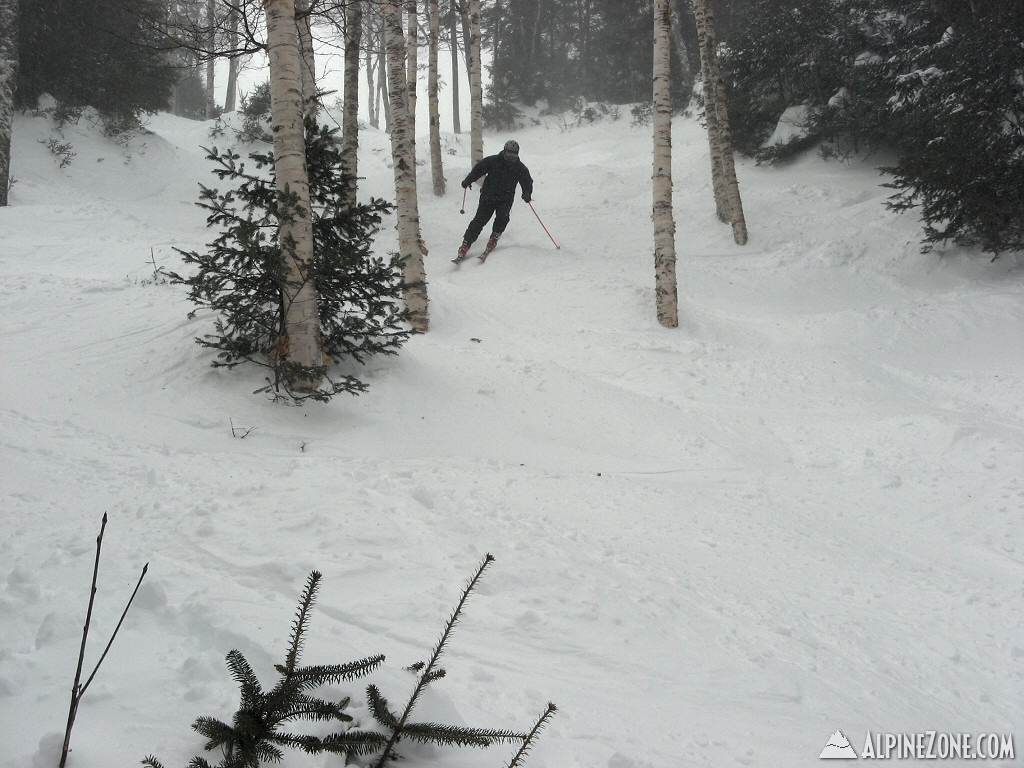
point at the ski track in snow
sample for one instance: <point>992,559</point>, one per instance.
<point>800,511</point>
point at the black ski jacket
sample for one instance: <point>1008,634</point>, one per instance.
<point>502,177</point>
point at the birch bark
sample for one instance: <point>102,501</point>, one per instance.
<point>412,51</point>
<point>350,115</point>
<point>664,222</point>
<point>682,50</point>
<point>723,163</point>
<point>211,48</point>
<point>231,92</point>
<point>308,61</point>
<point>371,87</point>
<point>410,243</point>
<point>476,94</point>
<point>301,342</point>
<point>436,166</point>
<point>454,36</point>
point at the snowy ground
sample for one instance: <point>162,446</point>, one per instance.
<point>800,512</point>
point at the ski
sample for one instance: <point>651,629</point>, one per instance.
<point>483,256</point>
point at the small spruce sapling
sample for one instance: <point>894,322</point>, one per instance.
<point>256,733</point>
<point>241,276</point>
<point>429,672</point>
<point>254,737</point>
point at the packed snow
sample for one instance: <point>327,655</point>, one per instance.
<point>798,513</point>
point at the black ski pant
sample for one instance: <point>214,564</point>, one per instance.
<point>489,207</point>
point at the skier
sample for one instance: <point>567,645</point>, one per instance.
<point>503,172</point>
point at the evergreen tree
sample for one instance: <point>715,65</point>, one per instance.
<point>957,111</point>
<point>788,53</point>
<point>240,277</point>
<point>936,82</point>
<point>257,732</point>
<point>103,54</point>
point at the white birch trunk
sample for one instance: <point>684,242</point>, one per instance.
<point>436,166</point>
<point>350,116</point>
<point>231,94</point>
<point>476,93</point>
<point>371,92</point>
<point>410,244</point>
<point>382,83</point>
<point>454,35</point>
<point>682,51</point>
<point>211,61</point>
<point>664,221</point>
<point>723,163</point>
<point>305,33</point>
<point>412,51</point>
<point>301,342</point>
<point>9,17</point>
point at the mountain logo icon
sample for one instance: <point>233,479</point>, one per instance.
<point>838,748</point>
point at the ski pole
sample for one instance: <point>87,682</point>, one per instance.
<point>542,226</point>
<point>463,208</point>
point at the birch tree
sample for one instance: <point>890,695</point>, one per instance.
<point>211,61</point>
<point>8,83</point>
<point>350,115</point>
<point>454,38</point>
<point>410,243</point>
<point>723,164</point>
<point>231,92</point>
<point>685,73</point>
<point>476,93</point>
<point>437,170</point>
<point>308,64</point>
<point>664,223</point>
<point>370,45</point>
<point>383,88</point>
<point>301,343</point>
<point>412,51</point>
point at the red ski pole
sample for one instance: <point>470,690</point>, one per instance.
<point>464,191</point>
<point>543,227</point>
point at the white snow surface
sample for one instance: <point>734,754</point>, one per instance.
<point>800,511</point>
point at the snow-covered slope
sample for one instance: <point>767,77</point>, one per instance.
<point>799,512</point>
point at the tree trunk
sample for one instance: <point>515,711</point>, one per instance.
<point>664,222</point>
<point>9,15</point>
<point>723,164</point>
<point>412,52</point>
<point>371,92</point>
<point>436,167</point>
<point>410,244</point>
<point>350,116</point>
<point>211,61</point>
<point>476,94</point>
<point>301,341</point>
<point>231,94</point>
<point>682,50</point>
<point>454,34</point>
<point>305,35</point>
<point>382,82</point>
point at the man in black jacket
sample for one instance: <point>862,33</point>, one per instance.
<point>503,172</point>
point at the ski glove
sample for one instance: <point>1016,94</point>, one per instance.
<point>526,198</point>
<point>466,183</point>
